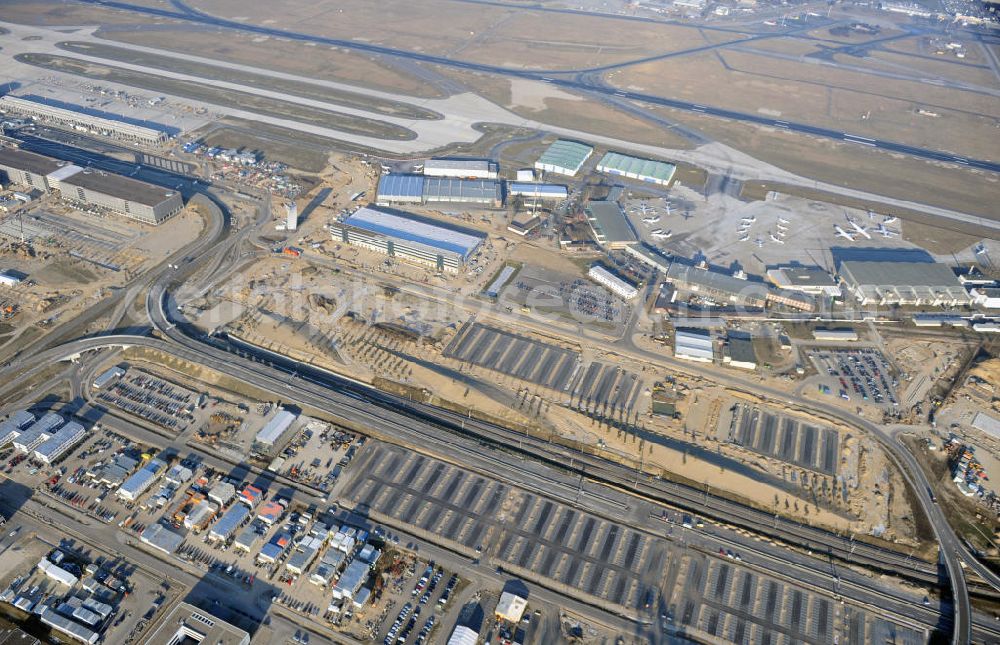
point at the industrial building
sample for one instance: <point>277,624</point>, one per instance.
<point>188,625</point>
<point>107,376</point>
<point>694,345</point>
<point>71,628</point>
<point>231,520</point>
<point>564,157</point>
<point>400,189</point>
<point>129,197</point>
<point>351,580</point>
<point>986,297</point>
<point>609,225</point>
<point>272,432</point>
<point>222,493</point>
<point>717,286</point>
<point>649,256</point>
<point>648,170</point>
<point>62,440</point>
<point>139,483</point>
<point>539,192</point>
<point>418,189</point>
<point>811,280</point>
<point>619,287</point>
<point>740,351</point>
<point>461,168</point>
<point>77,119</point>
<point>408,237</point>
<point>524,223</point>
<point>24,168</point>
<point>903,283</point>
<point>161,538</point>
<point>484,192</point>
<point>510,607</point>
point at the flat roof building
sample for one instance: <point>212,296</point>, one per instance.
<point>541,192</point>
<point>903,283</point>
<point>222,493</point>
<point>56,446</point>
<point>138,200</point>
<point>13,427</point>
<point>107,376</point>
<point>408,237</point>
<point>461,168</point>
<point>648,170</point>
<point>133,487</point>
<point>740,351</point>
<point>351,580</point>
<point>717,286</point>
<point>564,157</point>
<point>649,256</point>
<point>609,225</point>
<point>619,287</point>
<point>24,168</point>
<point>231,520</point>
<point>694,345</point>
<point>38,432</point>
<point>161,538</point>
<point>78,119</point>
<point>812,280</point>
<point>510,607</point>
<point>71,628</point>
<point>188,625</point>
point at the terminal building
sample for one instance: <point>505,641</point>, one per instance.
<point>720,287</point>
<point>619,287</point>
<point>564,157</point>
<point>408,238</point>
<point>609,225</point>
<point>129,197</point>
<point>811,280</point>
<point>77,119</point>
<point>461,168</point>
<point>903,283</point>
<point>648,170</point>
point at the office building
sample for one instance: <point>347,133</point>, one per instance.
<point>619,287</point>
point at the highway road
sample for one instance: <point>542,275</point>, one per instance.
<point>557,78</point>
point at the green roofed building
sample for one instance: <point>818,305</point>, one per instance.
<point>654,172</point>
<point>564,157</point>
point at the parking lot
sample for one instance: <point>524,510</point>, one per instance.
<point>565,296</point>
<point>525,358</point>
<point>785,438</point>
<point>151,398</point>
<point>861,375</point>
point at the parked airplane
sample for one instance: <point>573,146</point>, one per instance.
<point>886,232</point>
<point>749,220</point>
<point>759,242</point>
<point>660,235</point>
<point>744,238</point>
<point>860,229</point>
<point>842,233</point>
<point>980,249</point>
<point>782,220</point>
<point>892,219</point>
<point>777,239</point>
<point>782,227</point>
<point>651,220</point>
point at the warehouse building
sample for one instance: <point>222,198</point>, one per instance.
<point>129,197</point>
<point>564,157</point>
<point>524,223</point>
<point>619,287</point>
<point>648,170</point>
<point>400,189</point>
<point>461,168</point>
<point>408,237</point>
<point>56,446</point>
<point>452,190</point>
<point>694,345</point>
<point>70,628</point>
<point>811,280</point>
<point>188,625</point>
<point>903,283</point>
<point>77,119</point>
<point>609,225</point>
<point>539,192</point>
<point>231,520</point>
<point>23,168</point>
<point>716,286</point>
<point>133,487</point>
<point>272,432</point>
<point>351,580</point>
<point>161,538</point>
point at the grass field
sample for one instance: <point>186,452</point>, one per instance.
<point>203,92</point>
<point>305,90</point>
